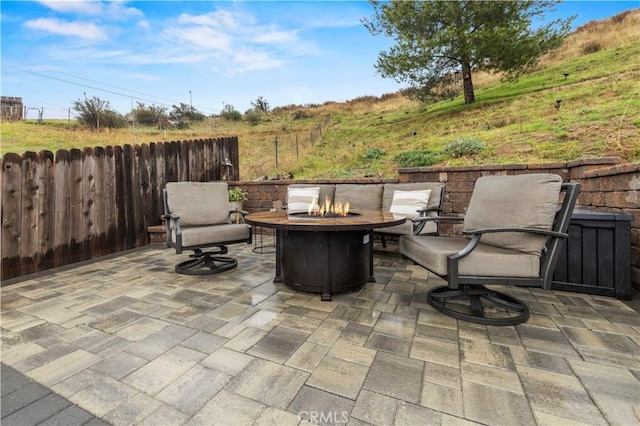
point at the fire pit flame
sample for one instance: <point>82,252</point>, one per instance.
<point>328,209</point>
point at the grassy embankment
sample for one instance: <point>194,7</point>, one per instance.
<point>599,115</point>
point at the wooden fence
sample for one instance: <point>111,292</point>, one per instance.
<point>82,204</point>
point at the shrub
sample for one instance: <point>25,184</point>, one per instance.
<point>230,113</point>
<point>253,116</point>
<point>237,194</point>
<point>462,147</point>
<point>591,47</point>
<point>374,153</point>
<point>417,158</point>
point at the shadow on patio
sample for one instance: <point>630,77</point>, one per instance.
<point>132,342</point>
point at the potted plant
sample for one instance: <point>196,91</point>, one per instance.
<point>236,197</point>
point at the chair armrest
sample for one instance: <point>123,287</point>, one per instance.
<point>515,229</point>
<point>436,218</point>
<point>429,209</point>
<point>419,222</point>
<point>236,212</point>
<point>242,212</point>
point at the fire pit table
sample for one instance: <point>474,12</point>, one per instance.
<point>325,255</point>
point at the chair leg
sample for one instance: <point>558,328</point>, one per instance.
<point>467,304</point>
<point>206,263</point>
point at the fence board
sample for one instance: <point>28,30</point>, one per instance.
<point>88,204</point>
<point>172,152</point>
<point>29,232</point>
<point>76,217</point>
<point>78,205</point>
<point>121,211</point>
<point>140,193</point>
<point>183,172</point>
<point>154,184</point>
<point>110,220</point>
<point>46,214</point>
<point>62,233</point>
<point>11,214</point>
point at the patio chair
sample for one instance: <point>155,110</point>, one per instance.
<point>513,231</point>
<point>197,216</point>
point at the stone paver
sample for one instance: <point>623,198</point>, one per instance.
<point>127,341</point>
<point>25,402</point>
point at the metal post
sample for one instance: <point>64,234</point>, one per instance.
<point>276,142</point>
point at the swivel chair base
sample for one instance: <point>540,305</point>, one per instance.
<point>466,303</point>
<point>206,263</point>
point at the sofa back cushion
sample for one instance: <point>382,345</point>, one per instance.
<point>360,197</point>
<point>409,203</point>
<point>326,191</point>
<point>199,203</point>
<point>435,199</point>
<point>301,199</point>
<point>528,200</point>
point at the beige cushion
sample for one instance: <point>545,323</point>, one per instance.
<point>434,202</point>
<point>199,203</point>
<point>205,235</point>
<point>486,260</point>
<point>408,203</point>
<point>360,197</point>
<point>301,199</point>
<point>528,200</point>
<point>326,191</point>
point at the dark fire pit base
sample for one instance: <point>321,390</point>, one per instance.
<point>325,262</point>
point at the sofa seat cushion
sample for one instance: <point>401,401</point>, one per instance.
<point>486,260</point>
<point>207,235</point>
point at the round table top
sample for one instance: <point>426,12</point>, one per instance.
<point>362,220</point>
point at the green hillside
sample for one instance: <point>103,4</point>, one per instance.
<point>522,122</point>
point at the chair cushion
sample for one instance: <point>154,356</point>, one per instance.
<point>360,197</point>
<point>299,199</point>
<point>199,203</point>
<point>528,200</point>
<point>434,202</point>
<point>210,235</point>
<point>486,260</point>
<point>407,203</point>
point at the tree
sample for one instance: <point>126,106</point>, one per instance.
<point>260,104</point>
<point>149,115</point>
<point>436,40</point>
<point>95,113</point>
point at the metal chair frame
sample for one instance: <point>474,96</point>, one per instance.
<point>200,262</point>
<point>472,288</point>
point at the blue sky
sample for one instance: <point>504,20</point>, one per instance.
<point>207,53</point>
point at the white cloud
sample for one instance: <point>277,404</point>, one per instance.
<point>238,38</point>
<point>201,37</point>
<point>73,6</point>
<point>109,10</point>
<point>60,27</point>
<point>144,24</point>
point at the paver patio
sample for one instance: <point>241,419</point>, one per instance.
<point>130,342</point>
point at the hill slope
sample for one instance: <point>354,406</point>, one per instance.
<point>522,122</point>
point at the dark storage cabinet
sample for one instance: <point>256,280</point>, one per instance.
<point>596,257</point>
